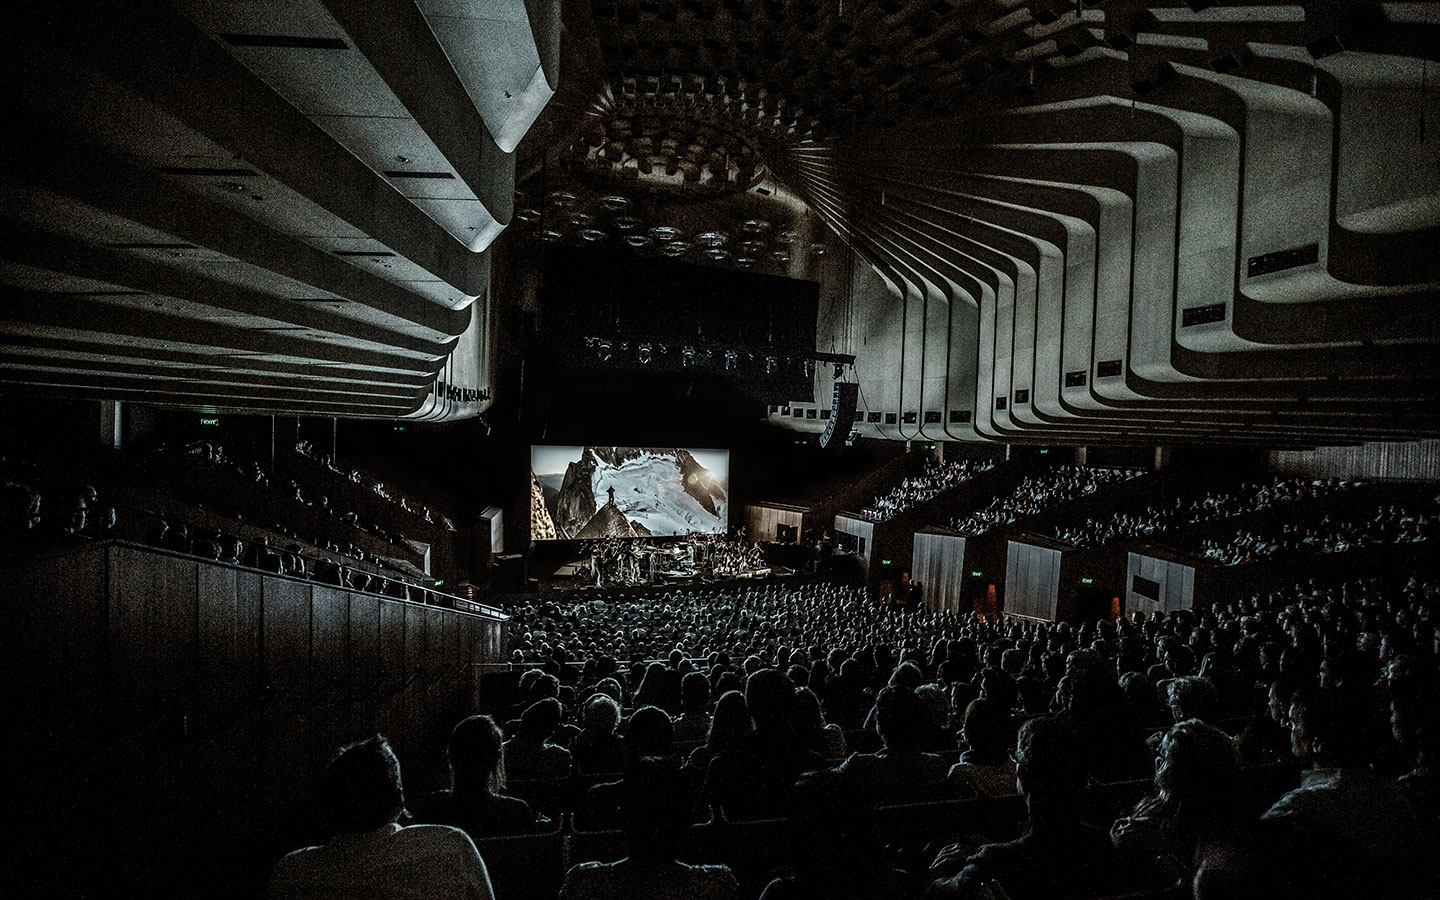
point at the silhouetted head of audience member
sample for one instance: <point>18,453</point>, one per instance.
<point>907,675</point>
<point>769,698</point>
<point>1050,769</point>
<point>730,723</point>
<point>1326,730</point>
<point>601,714</point>
<point>1197,782</point>
<point>650,734</point>
<point>654,811</point>
<point>694,692</point>
<point>1192,697</point>
<point>1414,708</point>
<point>899,718</point>
<point>540,719</point>
<point>477,762</point>
<point>361,788</point>
<point>831,827</point>
<point>987,730</point>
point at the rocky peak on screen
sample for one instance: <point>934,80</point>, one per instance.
<point>658,490</point>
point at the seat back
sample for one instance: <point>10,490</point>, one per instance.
<point>525,866</point>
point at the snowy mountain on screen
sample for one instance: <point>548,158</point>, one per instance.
<point>658,491</point>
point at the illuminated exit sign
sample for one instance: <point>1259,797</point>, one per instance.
<point>1087,581</point>
<point>204,421</point>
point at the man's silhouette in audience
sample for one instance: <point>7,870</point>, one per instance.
<point>654,816</point>
<point>371,855</point>
<point>1058,856</point>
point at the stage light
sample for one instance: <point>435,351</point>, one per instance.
<point>644,354</point>
<point>839,371</point>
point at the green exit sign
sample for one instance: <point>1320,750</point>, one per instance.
<point>1087,581</point>
<point>399,427</point>
<point>1043,452</point>
<point>205,421</point>
<point>884,562</point>
<point>975,574</point>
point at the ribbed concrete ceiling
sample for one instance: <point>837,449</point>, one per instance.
<point>1079,222</point>
<point>262,206</point>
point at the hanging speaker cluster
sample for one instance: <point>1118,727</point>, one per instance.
<point>842,413</point>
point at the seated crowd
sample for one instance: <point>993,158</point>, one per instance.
<point>1112,746</point>
<point>1037,493</point>
<point>63,513</point>
<point>1390,525</point>
<point>916,489</point>
<point>1247,498</point>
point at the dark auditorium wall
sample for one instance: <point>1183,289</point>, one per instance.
<point>161,701</point>
<point>1406,461</point>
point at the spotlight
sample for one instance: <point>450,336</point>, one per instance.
<point>839,371</point>
<point>644,354</point>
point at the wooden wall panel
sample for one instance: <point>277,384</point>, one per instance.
<point>1399,460</point>
<point>364,643</point>
<point>414,641</point>
<point>287,642</point>
<point>937,563</point>
<point>151,626</point>
<point>223,637</point>
<point>52,648</point>
<point>762,519</point>
<point>392,645</point>
<point>329,634</point>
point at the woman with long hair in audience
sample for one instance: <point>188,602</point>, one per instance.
<point>811,729</point>
<point>1196,797</point>
<point>730,723</point>
<point>476,801</point>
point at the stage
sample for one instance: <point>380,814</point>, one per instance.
<point>611,564</point>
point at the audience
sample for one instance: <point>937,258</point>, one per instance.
<point>1196,798</point>
<point>916,489</point>
<point>476,801</point>
<point>1058,856</point>
<point>753,777</point>
<point>530,755</point>
<point>1247,498</point>
<point>986,767</point>
<point>371,854</point>
<point>1394,525</point>
<point>1037,493</point>
<point>654,818</point>
<point>901,772</point>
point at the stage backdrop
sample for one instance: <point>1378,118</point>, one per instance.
<point>579,493</point>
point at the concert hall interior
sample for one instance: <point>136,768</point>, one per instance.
<point>726,448</point>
